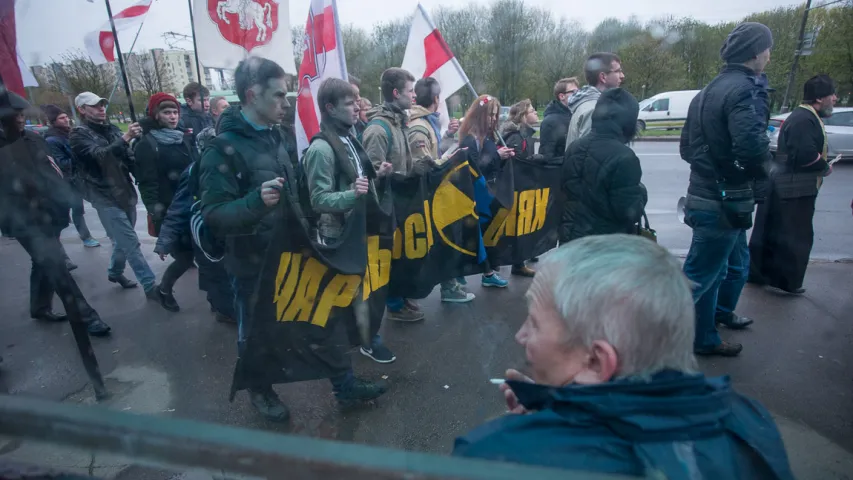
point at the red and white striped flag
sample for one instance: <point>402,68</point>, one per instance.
<point>14,72</point>
<point>427,55</point>
<point>323,58</point>
<point>100,43</point>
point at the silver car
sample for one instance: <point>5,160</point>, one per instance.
<point>839,132</point>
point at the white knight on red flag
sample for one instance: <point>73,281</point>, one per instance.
<point>323,58</point>
<point>228,31</point>
<point>100,44</point>
<point>427,55</point>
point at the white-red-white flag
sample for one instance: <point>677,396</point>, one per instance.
<point>228,31</point>
<point>427,55</point>
<point>323,58</point>
<point>100,44</point>
<point>14,72</point>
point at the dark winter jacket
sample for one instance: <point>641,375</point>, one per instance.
<point>728,139</point>
<point>553,130</point>
<point>801,143</point>
<point>601,175</point>
<point>60,150</point>
<point>233,167</point>
<point>34,199</point>
<point>105,162</point>
<point>520,139</point>
<point>174,231</point>
<point>158,170</point>
<point>486,158</point>
<point>676,426</point>
<point>194,122</point>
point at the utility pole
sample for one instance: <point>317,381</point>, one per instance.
<point>792,77</point>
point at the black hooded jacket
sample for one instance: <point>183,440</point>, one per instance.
<point>601,174</point>
<point>194,122</point>
<point>553,130</point>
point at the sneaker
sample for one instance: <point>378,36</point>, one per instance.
<point>724,349</point>
<point>411,305</point>
<point>494,280</point>
<point>97,328</point>
<point>462,281</point>
<point>123,281</point>
<point>457,294</point>
<point>379,353</point>
<point>267,403</point>
<point>361,391</point>
<point>523,271</point>
<point>167,300</point>
<point>70,265</point>
<point>91,243</point>
<point>405,314</point>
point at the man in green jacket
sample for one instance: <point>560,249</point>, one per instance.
<point>334,170</point>
<point>386,140</point>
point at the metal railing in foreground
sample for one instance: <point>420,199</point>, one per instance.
<point>185,444</point>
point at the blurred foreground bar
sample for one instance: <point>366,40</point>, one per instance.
<point>177,444</point>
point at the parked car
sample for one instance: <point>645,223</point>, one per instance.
<point>40,129</point>
<point>665,110</point>
<point>839,132</point>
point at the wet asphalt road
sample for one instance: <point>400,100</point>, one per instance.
<point>797,359</point>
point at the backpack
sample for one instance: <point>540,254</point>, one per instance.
<point>208,242</point>
<point>390,143</point>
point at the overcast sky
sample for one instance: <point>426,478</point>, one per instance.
<point>47,28</point>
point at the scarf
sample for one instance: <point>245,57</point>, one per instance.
<point>168,136</point>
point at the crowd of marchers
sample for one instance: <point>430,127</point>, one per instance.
<point>614,321</point>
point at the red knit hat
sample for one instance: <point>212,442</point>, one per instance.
<point>154,102</point>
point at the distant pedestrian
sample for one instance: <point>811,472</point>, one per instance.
<point>162,154</point>
<point>724,140</point>
<point>601,176</point>
<point>60,149</point>
<point>195,115</point>
<point>783,236</point>
<point>518,133</point>
<point>103,154</point>
<point>34,204</point>
<point>603,71</point>
<point>217,106</point>
<point>477,135</point>
<point>555,125</point>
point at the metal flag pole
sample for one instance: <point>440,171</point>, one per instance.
<point>133,44</point>
<point>121,63</point>
<point>195,46</point>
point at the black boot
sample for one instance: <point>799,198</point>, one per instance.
<point>123,281</point>
<point>361,391</point>
<point>97,328</point>
<point>167,300</point>
<point>49,316</point>
<point>267,403</point>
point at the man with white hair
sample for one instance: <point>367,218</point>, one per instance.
<point>614,388</point>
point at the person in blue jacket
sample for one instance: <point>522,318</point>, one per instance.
<point>614,387</point>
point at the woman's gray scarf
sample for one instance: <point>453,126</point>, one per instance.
<point>168,136</point>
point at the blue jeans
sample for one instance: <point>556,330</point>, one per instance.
<point>718,263</point>
<point>119,225</point>
<point>395,304</point>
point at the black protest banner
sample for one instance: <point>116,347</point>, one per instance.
<point>528,227</point>
<point>314,301</point>
<point>438,236</point>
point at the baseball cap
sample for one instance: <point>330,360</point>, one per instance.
<point>88,98</point>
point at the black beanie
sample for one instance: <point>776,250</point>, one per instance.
<point>745,42</point>
<point>816,87</point>
<point>52,112</point>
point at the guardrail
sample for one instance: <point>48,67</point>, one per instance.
<point>185,444</point>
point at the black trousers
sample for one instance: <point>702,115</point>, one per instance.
<point>183,262</point>
<point>49,275</point>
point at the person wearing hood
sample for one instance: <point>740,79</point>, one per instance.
<point>603,71</point>
<point>385,140</point>
<point>601,174</point>
<point>783,236</point>
<point>724,139</point>
<point>34,204</point>
<point>614,387</point>
<point>60,149</point>
<point>555,125</point>
<point>194,112</point>
<point>426,141</point>
<point>105,160</point>
<point>162,154</point>
<point>518,133</point>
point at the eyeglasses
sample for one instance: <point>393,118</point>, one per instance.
<point>570,92</point>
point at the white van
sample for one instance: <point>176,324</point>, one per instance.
<point>665,110</point>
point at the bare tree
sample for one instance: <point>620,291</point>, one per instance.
<point>147,72</point>
<point>511,29</point>
<point>76,72</point>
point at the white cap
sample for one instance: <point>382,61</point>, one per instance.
<point>88,98</point>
